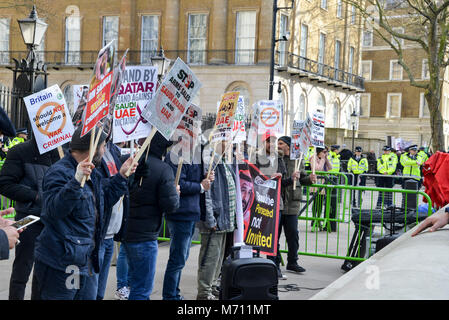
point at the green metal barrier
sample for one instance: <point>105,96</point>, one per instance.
<point>337,244</point>
<point>6,203</point>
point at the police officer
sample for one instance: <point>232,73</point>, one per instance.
<point>21,136</point>
<point>386,165</point>
<point>310,152</point>
<point>412,162</point>
<point>423,154</point>
<point>334,158</point>
<point>358,164</point>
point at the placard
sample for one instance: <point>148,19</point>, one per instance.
<point>224,123</point>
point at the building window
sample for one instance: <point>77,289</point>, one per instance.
<point>367,40</point>
<point>303,46</point>
<point>321,103</point>
<point>423,107</point>
<point>283,29</point>
<point>332,116</point>
<point>394,101</point>
<point>397,41</point>
<point>245,37</point>
<point>340,9</point>
<point>425,69</point>
<point>337,54</point>
<point>321,52</point>
<point>351,60</point>
<point>244,93</point>
<point>353,14</point>
<point>366,69</point>
<point>197,38</point>
<point>324,4</point>
<point>72,40</point>
<point>395,70</point>
<point>365,103</point>
<point>150,38</point>
<point>301,112</point>
<point>110,30</point>
<point>4,41</point>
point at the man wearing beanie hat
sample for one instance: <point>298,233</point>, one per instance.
<point>292,203</point>
<point>73,217</point>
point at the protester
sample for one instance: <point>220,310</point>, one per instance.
<point>436,221</point>
<point>118,214</point>
<point>218,220</point>
<point>9,236</point>
<point>21,181</point>
<point>73,218</point>
<point>292,204</point>
<point>122,274</point>
<point>152,193</point>
<point>321,163</point>
<point>181,224</point>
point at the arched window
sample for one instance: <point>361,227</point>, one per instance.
<point>301,112</point>
<point>321,103</point>
<point>333,116</point>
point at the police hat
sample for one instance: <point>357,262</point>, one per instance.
<point>335,147</point>
<point>386,148</point>
<point>413,147</point>
<point>22,130</point>
<point>358,149</point>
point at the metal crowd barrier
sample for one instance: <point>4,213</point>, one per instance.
<point>6,203</point>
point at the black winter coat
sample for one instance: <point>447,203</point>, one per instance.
<point>148,202</point>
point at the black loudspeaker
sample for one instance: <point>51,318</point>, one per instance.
<point>411,198</point>
<point>252,278</point>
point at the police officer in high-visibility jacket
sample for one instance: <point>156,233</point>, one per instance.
<point>334,158</point>
<point>357,165</point>
<point>412,162</point>
<point>423,154</point>
<point>309,153</point>
<point>386,165</point>
<point>22,136</point>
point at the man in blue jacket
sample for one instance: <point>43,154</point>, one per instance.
<point>73,216</point>
<point>181,223</point>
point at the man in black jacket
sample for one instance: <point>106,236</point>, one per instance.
<point>152,193</point>
<point>21,180</point>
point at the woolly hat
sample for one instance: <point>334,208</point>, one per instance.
<point>287,140</point>
<point>83,143</point>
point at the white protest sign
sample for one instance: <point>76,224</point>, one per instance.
<point>80,93</point>
<point>172,99</point>
<point>137,88</point>
<point>224,123</point>
<point>50,118</point>
<point>254,127</point>
<point>301,137</point>
<point>238,131</point>
<point>270,116</point>
<point>318,129</point>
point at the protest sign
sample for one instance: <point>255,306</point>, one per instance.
<point>270,117</point>
<point>260,205</point>
<point>172,99</point>
<point>99,89</point>
<point>301,137</point>
<point>50,118</point>
<point>80,94</point>
<point>138,86</point>
<point>254,127</point>
<point>318,129</point>
<point>224,123</point>
<point>238,130</point>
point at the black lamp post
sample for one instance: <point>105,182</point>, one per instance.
<point>354,116</point>
<point>29,76</point>
<point>273,43</point>
<point>161,62</point>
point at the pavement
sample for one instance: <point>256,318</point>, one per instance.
<point>320,272</point>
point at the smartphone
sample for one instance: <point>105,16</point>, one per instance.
<point>28,220</point>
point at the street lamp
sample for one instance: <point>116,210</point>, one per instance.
<point>29,76</point>
<point>354,116</point>
<point>161,62</point>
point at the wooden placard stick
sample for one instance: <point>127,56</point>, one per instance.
<point>61,152</point>
<point>92,148</point>
<point>142,149</point>
<point>178,171</point>
<point>212,159</point>
<point>297,165</point>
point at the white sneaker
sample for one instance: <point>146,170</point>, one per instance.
<point>122,293</point>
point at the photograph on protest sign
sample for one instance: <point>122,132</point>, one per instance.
<point>238,130</point>
<point>187,135</point>
<point>301,137</point>
<point>318,129</point>
<point>224,123</point>
<point>137,88</point>
<point>254,127</point>
<point>99,89</point>
<point>80,95</point>
<point>172,99</point>
<point>270,116</point>
<point>260,206</point>
<point>50,118</point>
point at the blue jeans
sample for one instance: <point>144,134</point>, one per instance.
<point>105,257</point>
<point>142,268</point>
<point>53,284</point>
<point>181,233</point>
<point>122,268</point>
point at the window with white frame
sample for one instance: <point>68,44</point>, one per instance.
<point>4,41</point>
<point>340,9</point>
<point>245,37</point>
<point>72,40</point>
<point>367,69</point>
<point>365,104</point>
<point>283,29</point>
<point>110,30</point>
<point>197,34</point>
<point>300,113</point>
<point>425,69</point>
<point>353,14</point>
<point>303,46</point>
<point>324,4</point>
<point>394,101</point>
<point>351,60</point>
<point>332,116</point>
<point>367,40</point>
<point>337,54</point>
<point>321,52</point>
<point>423,107</point>
<point>395,70</point>
<point>150,38</point>
<point>396,40</point>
